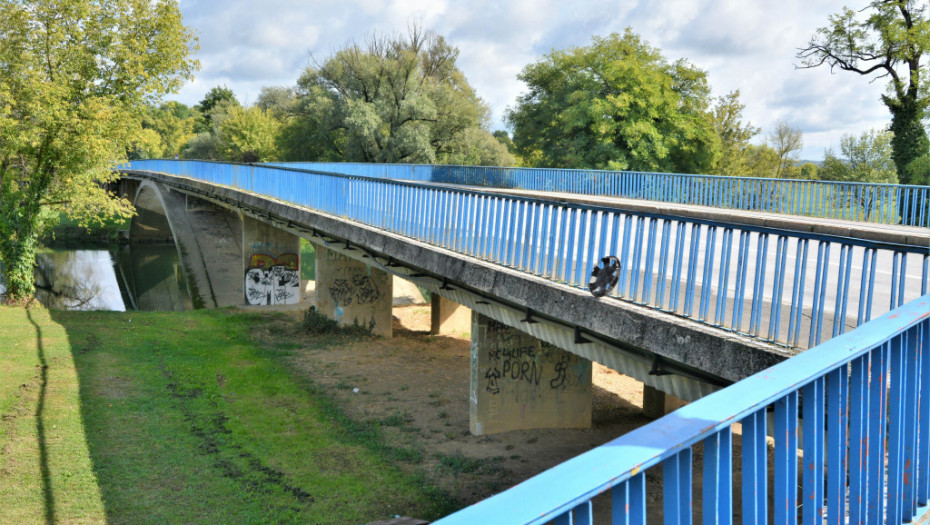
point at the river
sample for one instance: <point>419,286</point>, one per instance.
<point>128,277</point>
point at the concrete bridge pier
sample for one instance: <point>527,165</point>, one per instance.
<point>271,263</point>
<point>657,403</point>
<point>519,382</point>
<point>351,292</point>
<point>448,317</point>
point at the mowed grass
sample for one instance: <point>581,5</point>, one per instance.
<point>178,418</point>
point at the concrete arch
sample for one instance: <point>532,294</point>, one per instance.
<point>208,239</point>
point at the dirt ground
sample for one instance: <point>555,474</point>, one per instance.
<point>416,386</point>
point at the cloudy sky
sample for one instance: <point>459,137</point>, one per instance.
<point>745,45</point>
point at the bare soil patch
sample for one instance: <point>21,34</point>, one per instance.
<point>415,386</point>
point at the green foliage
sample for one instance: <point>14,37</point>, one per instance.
<point>278,101</point>
<point>615,104</point>
<point>166,130</point>
<point>460,464</point>
<point>866,158</point>
<point>887,39</point>
<point>918,171</point>
<point>809,171</point>
<point>787,143</point>
<point>390,99</point>
<point>75,77</point>
<point>216,98</point>
<point>734,136</point>
<point>228,131</point>
<point>777,158</point>
<point>202,146</point>
<point>248,135</point>
<point>318,324</point>
<point>762,161</point>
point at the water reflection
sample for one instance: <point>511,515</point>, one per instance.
<point>134,277</point>
<point>77,280</point>
<point>151,277</point>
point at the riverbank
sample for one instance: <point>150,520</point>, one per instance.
<point>230,416</point>
<point>69,234</point>
<point>178,418</point>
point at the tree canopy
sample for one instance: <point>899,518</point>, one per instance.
<point>248,135</point>
<point>787,141</point>
<point>866,158</point>
<point>74,79</point>
<point>734,136</point>
<point>390,99</point>
<point>217,99</point>
<point>165,131</point>
<point>887,40</point>
<point>615,104</point>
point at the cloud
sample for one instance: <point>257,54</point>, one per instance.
<point>749,46</point>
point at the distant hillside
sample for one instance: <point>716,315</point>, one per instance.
<point>817,163</point>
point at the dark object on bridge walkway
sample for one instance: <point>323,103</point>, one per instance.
<point>403,520</point>
<point>604,276</point>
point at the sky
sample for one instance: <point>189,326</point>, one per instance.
<point>746,45</point>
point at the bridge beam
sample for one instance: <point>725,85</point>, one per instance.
<point>519,382</point>
<point>352,292</point>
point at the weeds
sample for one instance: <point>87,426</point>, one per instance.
<point>397,419</point>
<point>461,464</point>
<point>316,323</point>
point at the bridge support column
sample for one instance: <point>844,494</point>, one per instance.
<point>448,317</point>
<point>519,382</point>
<point>351,292</point>
<point>271,258</point>
<point>657,403</point>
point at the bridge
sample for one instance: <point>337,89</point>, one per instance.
<point>701,301</point>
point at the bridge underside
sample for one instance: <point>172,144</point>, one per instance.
<point>228,259</point>
<point>665,352</point>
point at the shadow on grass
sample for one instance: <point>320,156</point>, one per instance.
<point>47,493</point>
<point>187,422</point>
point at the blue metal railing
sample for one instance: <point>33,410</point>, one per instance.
<point>865,441</point>
<point>754,280</point>
<point>881,203</point>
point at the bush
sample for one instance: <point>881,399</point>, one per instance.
<point>318,324</point>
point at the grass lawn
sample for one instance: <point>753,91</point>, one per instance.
<point>180,418</point>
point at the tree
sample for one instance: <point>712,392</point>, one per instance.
<point>211,112</point>
<point>278,101</point>
<point>248,135</point>
<point>866,158</point>
<point>809,171</point>
<point>615,104</point>
<point>166,130</point>
<point>889,42</point>
<point>787,143</point>
<point>734,136</point>
<point>202,146</point>
<point>389,99</point>
<point>74,79</point>
<point>218,98</point>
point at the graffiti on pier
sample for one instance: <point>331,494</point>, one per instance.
<point>570,370</point>
<point>514,360</point>
<point>360,289</point>
<point>272,280</point>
